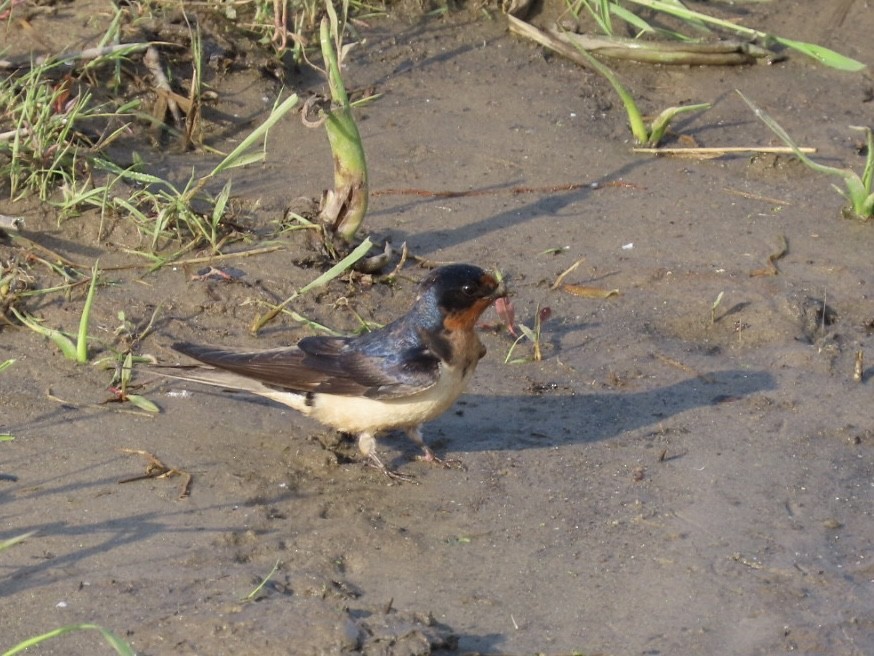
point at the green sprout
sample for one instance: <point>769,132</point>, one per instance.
<point>714,307</point>
<point>858,188</point>
<point>6,437</point>
<point>78,350</point>
<point>533,335</point>
<point>124,378</point>
<point>253,595</point>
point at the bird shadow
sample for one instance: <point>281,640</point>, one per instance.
<point>551,417</point>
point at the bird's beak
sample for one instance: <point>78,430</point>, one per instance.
<point>499,292</point>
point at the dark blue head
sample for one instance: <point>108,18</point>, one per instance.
<point>461,289</point>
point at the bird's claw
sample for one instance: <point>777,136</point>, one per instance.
<point>374,461</point>
<point>446,463</point>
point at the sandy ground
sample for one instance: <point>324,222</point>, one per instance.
<point>660,483</point>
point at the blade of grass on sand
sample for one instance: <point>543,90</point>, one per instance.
<point>64,343</point>
<point>236,157</point>
<point>868,172</point>
<point>663,120</point>
<point>252,595</point>
<point>5,544</point>
<point>635,118</point>
<point>6,364</point>
<point>121,647</point>
<point>858,194</point>
<point>336,270</point>
<point>820,53</point>
<point>136,400</point>
<point>82,337</point>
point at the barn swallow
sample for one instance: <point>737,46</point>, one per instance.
<point>397,377</point>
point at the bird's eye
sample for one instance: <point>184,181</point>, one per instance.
<point>468,289</point>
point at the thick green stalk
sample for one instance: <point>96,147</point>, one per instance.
<point>346,204</point>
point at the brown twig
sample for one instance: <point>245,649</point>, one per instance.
<point>549,189</point>
<point>157,469</point>
<point>770,268</point>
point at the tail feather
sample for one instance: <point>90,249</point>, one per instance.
<point>231,381</point>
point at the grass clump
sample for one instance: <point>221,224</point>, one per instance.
<point>47,131</point>
<point>164,212</point>
<point>858,189</point>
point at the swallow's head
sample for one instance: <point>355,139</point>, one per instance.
<point>461,292</point>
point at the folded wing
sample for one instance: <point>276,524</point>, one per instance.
<point>329,365</point>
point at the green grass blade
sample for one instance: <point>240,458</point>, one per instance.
<point>509,355</point>
<point>82,337</point>
<point>6,364</point>
<point>127,369</point>
<point>121,647</point>
<point>252,595</point>
<point>663,120</point>
<point>234,157</point>
<point>64,343</point>
<point>857,193</point>
<point>868,173</point>
<point>777,129</point>
<point>142,403</point>
<point>823,55</point>
<point>635,118</point>
<point>5,544</point>
<point>601,19</point>
<point>221,202</point>
<point>341,266</point>
<point>632,19</point>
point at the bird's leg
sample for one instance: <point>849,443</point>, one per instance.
<point>415,434</point>
<point>367,446</point>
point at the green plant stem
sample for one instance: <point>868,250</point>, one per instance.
<point>346,205</point>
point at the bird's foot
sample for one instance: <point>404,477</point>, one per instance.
<point>447,463</point>
<point>374,461</point>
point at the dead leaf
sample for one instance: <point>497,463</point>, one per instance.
<point>589,292</point>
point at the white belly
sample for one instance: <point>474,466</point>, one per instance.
<point>363,415</point>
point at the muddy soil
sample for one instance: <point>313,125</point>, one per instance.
<point>667,480</point>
